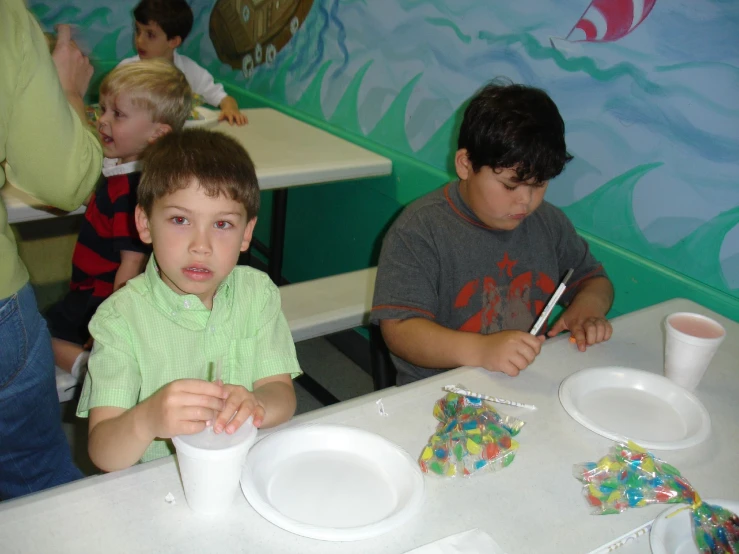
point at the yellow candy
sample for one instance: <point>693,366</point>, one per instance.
<point>594,491</point>
<point>473,447</point>
<point>452,471</point>
<point>427,453</point>
<point>514,445</point>
<point>648,465</point>
<point>614,497</point>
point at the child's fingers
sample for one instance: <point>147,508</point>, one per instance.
<point>243,414</point>
<point>259,414</point>
<point>557,328</point>
<point>197,414</point>
<point>232,407</point>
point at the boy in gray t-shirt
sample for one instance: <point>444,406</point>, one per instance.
<point>465,270</point>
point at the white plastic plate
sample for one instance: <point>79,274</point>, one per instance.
<point>674,535</point>
<point>332,482</point>
<point>622,403</point>
<point>209,119</point>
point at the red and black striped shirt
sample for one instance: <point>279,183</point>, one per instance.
<point>108,228</point>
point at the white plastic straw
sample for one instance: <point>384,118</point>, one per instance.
<point>552,302</point>
<point>457,390</point>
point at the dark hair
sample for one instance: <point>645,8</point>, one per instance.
<point>173,16</point>
<point>218,163</point>
<point>518,127</point>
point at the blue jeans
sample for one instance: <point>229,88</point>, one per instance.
<point>34,453</point>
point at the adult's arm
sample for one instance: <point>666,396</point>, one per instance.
<point>50,152</point>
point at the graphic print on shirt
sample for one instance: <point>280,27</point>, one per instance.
<point>506,301</point>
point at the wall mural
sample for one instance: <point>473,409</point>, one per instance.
<point>647,89</point>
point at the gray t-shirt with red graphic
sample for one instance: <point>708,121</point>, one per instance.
<point>440,262</point>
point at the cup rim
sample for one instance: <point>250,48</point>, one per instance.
<point>693,338</point>
<point>183,446</point>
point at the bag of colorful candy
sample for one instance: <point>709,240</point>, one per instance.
<point>471,437</point>
<point>631,477</point>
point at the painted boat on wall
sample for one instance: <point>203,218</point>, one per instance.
<point>247,33</point>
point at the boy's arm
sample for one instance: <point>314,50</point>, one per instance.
<point>427,344</point>
<point>277,395</point>
<point>585,316</point>
<point>230,112</point>
<point>132,264</point>
<point>118,437</point>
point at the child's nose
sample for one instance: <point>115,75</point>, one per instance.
<point>200,242</point>
<point>524,195</point>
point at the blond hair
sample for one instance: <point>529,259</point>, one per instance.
<point>155,85</point>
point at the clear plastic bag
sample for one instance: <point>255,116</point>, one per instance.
<point>631,477</point>
<point>472,437</point>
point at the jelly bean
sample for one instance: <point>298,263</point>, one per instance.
<point>441,453</point>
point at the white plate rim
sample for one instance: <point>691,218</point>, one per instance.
<point>659,527</point>
<point>210,119</point>
<point>692,440</point>
<point>268,512</point>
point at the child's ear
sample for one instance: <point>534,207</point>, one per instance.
<point>174,42</point>
<point>160,130</point>
<point>142,224</point>
<point>248,232</point>
<point>462,164</point>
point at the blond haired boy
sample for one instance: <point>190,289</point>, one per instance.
<point>157,338</point>
<point>139,103</point>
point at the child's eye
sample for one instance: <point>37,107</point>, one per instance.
<point>509,187</point>
<point>118,114</point>
<point>179,220</point>
<point>150,34</point>
<point>223,225</point>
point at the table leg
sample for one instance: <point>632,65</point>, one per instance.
<point>277,235</point>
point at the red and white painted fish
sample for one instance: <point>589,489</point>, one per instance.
<point>606,21</point>
<point>609,20</point>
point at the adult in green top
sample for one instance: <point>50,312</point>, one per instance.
<point>48,152</point>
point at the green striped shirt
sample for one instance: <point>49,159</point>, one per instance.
<point>146,336</point>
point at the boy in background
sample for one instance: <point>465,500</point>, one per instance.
<point>465,270</point>
<point>139,103</point>
<point>193,308</point>
<point>161,27</point>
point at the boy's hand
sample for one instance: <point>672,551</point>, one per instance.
<point>232,117</point>
<point>585,329</point>
<point>230,112</point>
<point>182,408</point>
<point>585,317</point>
<point>586,326</point>
<point>240,404</point>
<point>509,351</point>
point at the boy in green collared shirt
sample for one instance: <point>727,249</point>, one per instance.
<point>157,337</point>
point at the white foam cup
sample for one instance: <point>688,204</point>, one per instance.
<point>691,341</point>
<point>210,466</point>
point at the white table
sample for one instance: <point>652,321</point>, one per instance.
<point>286,153</point>
<point>533,506</point>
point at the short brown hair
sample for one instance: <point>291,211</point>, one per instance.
<point>218,163</point>
<point>155,85</point>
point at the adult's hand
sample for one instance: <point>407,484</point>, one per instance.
<point>73,67</point>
